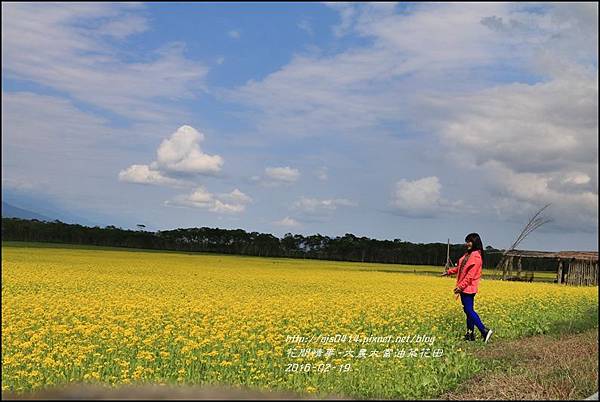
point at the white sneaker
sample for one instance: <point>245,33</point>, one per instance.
<point>488,335</point>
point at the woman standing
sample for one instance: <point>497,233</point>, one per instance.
<point>469,273</point>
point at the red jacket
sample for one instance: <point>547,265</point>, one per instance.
<point>468,277</point>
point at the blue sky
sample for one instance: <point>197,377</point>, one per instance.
<point>419,121</point>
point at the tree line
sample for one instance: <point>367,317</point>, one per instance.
<point>237,241</point>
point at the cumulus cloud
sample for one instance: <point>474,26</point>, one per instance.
<point>534,144</point>
<point>315,205</point>
<point>276,176</point>
<point>180,155</point>
<point>225,203</point>
<point>421,198</point>
<point>143,174</point>
<point>528,127</point>
<point>236,196</point>
<point>573,197</point>
<point>283,174</point>
<point>234,34</point>
<point>287,222</point>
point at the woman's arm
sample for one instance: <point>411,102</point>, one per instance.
<point>454,270</point>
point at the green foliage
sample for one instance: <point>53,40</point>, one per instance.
<point>237,241</point>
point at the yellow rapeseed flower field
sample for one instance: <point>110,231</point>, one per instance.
<point>121,317</point>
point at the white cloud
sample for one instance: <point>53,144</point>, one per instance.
<point>201,197</point>
<point>573,199</point>
<point>509,83</point>
<point>228,203</point>
<point>359,88</point>
<point>282,174</point>
<point>142,174</point>
<point>347,13</point>
<point>529,127</point>
<point>315,205</point>
<point>234,34</point>
<point>533,144</point>
<point>221,207</point>
<point>124,26</point>
<point>69,47</point>
<point>421,198</point>
<point>26,117</point>
<point>236,196</point>
<point>287,222</point>
<point>179,154</point>
<point>576,178</point>
<point>66,153</point>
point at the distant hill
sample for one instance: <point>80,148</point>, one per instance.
<point>32,206</point>
<point>10,211</point>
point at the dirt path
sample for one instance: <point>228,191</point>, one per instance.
<point>540,367</point>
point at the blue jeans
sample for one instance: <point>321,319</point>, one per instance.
<point>473,319</point>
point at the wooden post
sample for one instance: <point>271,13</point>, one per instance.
<point>448,256</point>
<point>560,271</point>
<point>519,267</point>
<point>505,267</point>
<point>589,273</point>
<point>571,272</point>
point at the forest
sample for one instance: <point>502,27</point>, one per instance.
<point>237,241</point>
